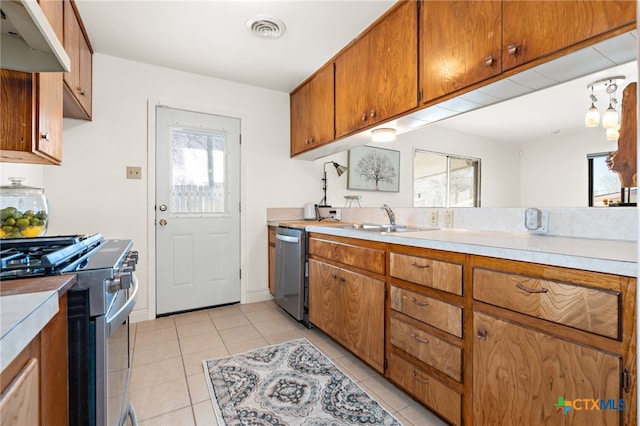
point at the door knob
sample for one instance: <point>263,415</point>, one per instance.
<point>163,222</point>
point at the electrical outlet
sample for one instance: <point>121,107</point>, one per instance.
<point>134,172</point>
<point>448,218</point>
<point>434,218</point>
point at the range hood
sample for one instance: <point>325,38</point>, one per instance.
<point>29,43</point>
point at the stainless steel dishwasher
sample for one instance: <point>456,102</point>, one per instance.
<point>291,272</point>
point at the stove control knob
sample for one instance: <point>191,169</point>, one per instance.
<point>121,281</point>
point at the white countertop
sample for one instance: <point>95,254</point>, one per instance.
<point>22,317</point>
<point>609,256</point>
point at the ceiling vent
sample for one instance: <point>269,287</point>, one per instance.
<point>266,27</point>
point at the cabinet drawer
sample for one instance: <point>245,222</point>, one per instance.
<point>427,272</point>
<point>441,315</point>
<point>427,348</point>
<point>431,392</point>
<point>589,309</point>
<point>360,257</point>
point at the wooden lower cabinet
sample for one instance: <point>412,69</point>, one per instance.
<point>521,375</point>
<point>479,340</point>
<point>349,307</point>
<point>50,351</point>
<point>272,260</point>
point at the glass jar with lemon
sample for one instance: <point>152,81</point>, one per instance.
<point>24,212</point>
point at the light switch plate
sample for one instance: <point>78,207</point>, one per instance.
<point>134,172</point>
<point>448,218</point>
<point>434,218</point>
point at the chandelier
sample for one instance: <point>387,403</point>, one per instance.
<point>610,118</point>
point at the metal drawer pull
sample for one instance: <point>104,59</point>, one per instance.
<point>414,300</point>
<point>482,334</point>
<point>415,265</point>
<point>488,61</point>
<point>531,290</point>
<point>420,379</point>
<point>419,339</point>
<point>512,49</point>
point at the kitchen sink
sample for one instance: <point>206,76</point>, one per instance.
<point>369,227</point>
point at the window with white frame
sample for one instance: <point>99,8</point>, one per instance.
<point>443,180</point>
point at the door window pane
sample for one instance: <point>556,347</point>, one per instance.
<point>198,171</point>
<point>441,180</point>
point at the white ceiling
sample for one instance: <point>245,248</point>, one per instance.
<point>209,37</point>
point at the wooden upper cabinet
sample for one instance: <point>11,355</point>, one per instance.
<point>352,86</point>
<point>533,29</point>
<point>312,111</point>
<point>31,113</point>
<point>78,82</point>
<point>460,44</point>
<point>376,78</point>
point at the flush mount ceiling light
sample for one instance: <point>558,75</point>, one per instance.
<point>610,118</point>
<point>266,27</point>
<point>384,134</point>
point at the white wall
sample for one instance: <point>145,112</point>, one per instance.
<point>554,171</point>
<point>89,192</point>
<point>500,168</point>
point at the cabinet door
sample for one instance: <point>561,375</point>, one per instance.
<point>537,28</point>
<point>519,376</point>
<point>352,75</point>
<point>49,93</point>
<point>460,44</point>
<point>86,75</point>
<point>324,296</point>
<point>301,119</point>
<point>19,402</point>
<point>49,129</point>
<point>361,316</point>
<point>393,71</point>
<point>78,82</point>
<point>72,47</point>
<point>322,107</point>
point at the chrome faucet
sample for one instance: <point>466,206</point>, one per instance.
<point>392,217</point>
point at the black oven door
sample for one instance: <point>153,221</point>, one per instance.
<point>118,356</point>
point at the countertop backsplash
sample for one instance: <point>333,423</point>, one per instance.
<point>612,223</point>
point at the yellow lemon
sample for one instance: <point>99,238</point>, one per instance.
<point>32,231</point>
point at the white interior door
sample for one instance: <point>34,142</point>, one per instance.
<point>197,210</point>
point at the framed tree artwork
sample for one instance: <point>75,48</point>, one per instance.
<point>374,169</point>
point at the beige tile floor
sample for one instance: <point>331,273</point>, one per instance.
<point>168,384</point>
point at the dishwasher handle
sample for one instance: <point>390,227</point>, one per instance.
<point>287,238</point>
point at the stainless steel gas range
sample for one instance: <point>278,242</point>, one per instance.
<point>99,305</point>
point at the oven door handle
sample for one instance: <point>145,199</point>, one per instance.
<point>116,320</point>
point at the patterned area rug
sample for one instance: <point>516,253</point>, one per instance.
<point>288,384</point>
